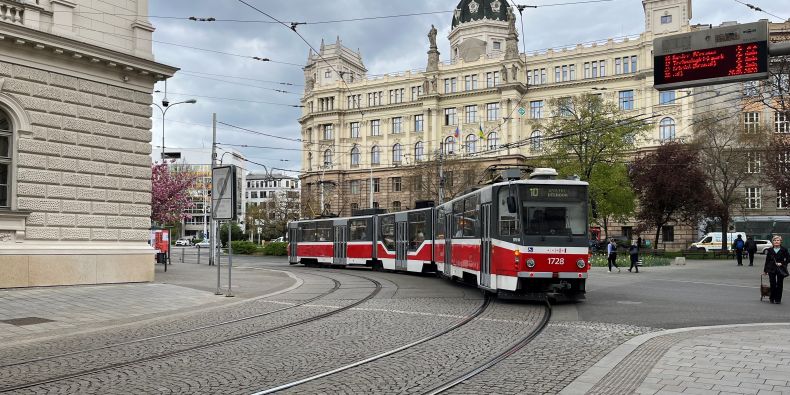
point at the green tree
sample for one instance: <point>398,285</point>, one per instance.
<point>590,137</point>
<point>611,191</point>
<point>236,233</point>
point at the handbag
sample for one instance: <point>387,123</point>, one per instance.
<point>781,271</point>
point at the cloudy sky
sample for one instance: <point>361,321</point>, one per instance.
<point>217,69</point>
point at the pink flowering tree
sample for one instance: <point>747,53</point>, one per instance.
<point>170,194</point>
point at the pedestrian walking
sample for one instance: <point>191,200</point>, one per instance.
<point>751,249</point>
<point>776,260</point>
<point>611,250</point>
<point>737,245</point>
<point>634,252</point>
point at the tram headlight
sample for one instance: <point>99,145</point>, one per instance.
<point>581,263</point>
<point>530,263</point>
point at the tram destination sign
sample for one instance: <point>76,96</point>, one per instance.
<point>713,56</point>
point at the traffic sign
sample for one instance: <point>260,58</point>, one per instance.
<point>522,111</point>
<point>223,196</point>
<point>713,56</point>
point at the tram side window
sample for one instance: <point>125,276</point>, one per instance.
<point>472,216</point>
<point>440,223</point>
<point>416,230</point>
<point>458,219</point>
<point>387,231</point>
<point>508,222</point>
<point>359,229</point>
<point>308,231</point>
<point>323,231</point>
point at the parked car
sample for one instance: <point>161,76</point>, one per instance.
<point>204,244</point>
<point>763,245</point>
<point>184,242</point>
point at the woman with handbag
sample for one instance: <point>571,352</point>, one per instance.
<point>776,260</point>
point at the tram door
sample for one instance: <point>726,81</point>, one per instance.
<point>339,257</point>
<point>485,245</point>
<point>401,245</point>
<point>448,244</point>
<point>292,244</point>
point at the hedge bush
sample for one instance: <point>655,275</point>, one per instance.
<point>243,247</point>
<point>625,260</point>
<point>276,249</point>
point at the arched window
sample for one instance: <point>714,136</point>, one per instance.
<point>375,155</point>
<point>666,129</point>
<point>471,144</point>
<point>536,140</point>
<point>449,145</point>
<point>493,140</point>
<point>355,156</point>
<point>6,144</point>
<point>419,151</point>
<point>327,158</point>
<point>397,153</point>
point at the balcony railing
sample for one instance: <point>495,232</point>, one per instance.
<point>12,12</point>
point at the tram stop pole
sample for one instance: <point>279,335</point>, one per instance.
<point>230,258</point>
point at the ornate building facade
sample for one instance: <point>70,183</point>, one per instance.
<point>379,141</point>
<point>75,96</point>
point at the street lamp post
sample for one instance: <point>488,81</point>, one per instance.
<point>167,105</point>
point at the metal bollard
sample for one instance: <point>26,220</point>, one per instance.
<point>198,247</point>
<point>182,254</point>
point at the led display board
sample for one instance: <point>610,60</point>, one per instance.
<point>711,56</point>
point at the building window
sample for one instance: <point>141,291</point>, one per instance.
<point>602,68</point>
<point>536,140</point>
<point>572,72</point>
<point>354,130</point>
<point>557,77</point>
<point>355,156</point>
<point>450,85</point>
<point>666,97</point>
<point>470,82</point>
<point>419,151</point>
<point>396,205</point>
<point>751,122</point>
<point>565,105</point>
<point>754,197</point>
<point>327,74</point>
<point>492,111</point>
<point>328,158</point>
<point>397,153</point>
<point>354,207</point>
<point>416,92</point>
<point>449,145</point>
<point>665,19</point>
<point>374,99</point>
<point>493,140</point>
<point>397,123</point>
<point>450,116</point>
<point>633,64</point>
<point>668,233</point>
<point>618,66</point>
<point>397,184</point>
<point>6,144</point>
<point>626,100</point>
<point>781,124</point>
<point>753,162</point>
<point>375,127</point>
<point>595,69</point>
<point>587,73</point>
<point>355,189</point>
<point>375,155</point>
<point>396,96</point>
<point>666,130</point>
<point>471,144</point>
<point>492,79</point>
<point>471,113</point>
<point>782,199</point>
<point>376,187</point>
<point>418,123</point>
<point>565,72</point>
<point>536,109</point>
<point>497,45</point>
<point>328,131</point>
<point>375,204</point>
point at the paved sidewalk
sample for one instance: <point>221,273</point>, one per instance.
<point>726,359</point>
<point>33,313</point>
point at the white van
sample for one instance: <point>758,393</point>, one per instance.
<point>712,241</point>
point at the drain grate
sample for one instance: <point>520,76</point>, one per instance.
<point>26,321</point>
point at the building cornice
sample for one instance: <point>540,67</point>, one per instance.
<point>64,46</point>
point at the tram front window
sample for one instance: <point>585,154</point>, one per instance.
<point>554,211</point>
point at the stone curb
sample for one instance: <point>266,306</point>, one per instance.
<point>161,316</point>
<point>595,373</point>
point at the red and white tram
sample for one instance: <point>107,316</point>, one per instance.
<point>521,238</point>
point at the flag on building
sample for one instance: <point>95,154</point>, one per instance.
<point>480,132</point>
<point>457,132</point>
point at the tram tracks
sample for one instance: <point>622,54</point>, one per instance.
<point>87,372</point>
